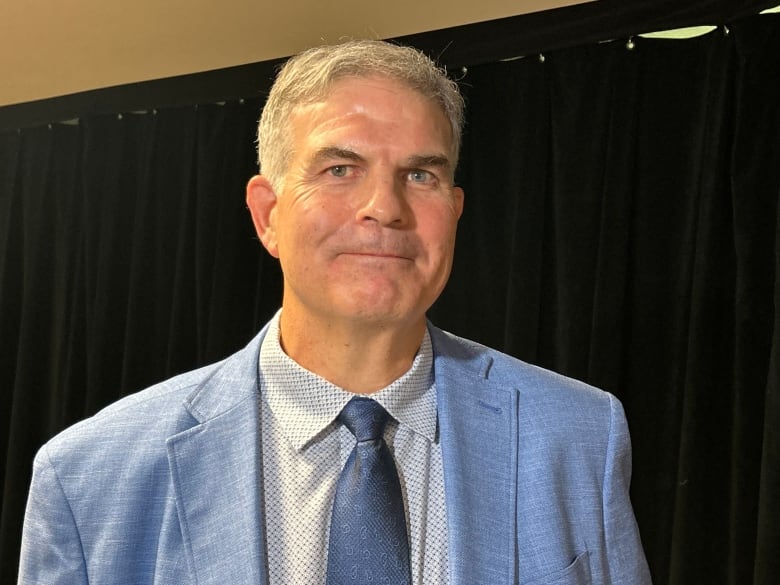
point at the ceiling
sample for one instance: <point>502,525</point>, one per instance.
<point>59,47</point>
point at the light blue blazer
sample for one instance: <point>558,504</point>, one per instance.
<point>164,486</point>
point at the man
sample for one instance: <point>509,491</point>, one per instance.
<point>507,473</point>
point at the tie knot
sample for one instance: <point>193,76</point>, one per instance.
<point>365,418</point>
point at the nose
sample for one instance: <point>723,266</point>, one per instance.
<point>383,202</point>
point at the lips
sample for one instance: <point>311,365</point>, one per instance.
<point>401,249</point>
<point>377,245</point>
<point>379,255</point>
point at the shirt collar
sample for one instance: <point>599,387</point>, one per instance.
<point>304,404</point>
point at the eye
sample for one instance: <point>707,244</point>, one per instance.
<point>339,170</point>
<point>420,176</point>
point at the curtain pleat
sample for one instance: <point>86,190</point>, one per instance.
<point>621,226</point>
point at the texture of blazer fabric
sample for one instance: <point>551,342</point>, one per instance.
<point>164,486</point>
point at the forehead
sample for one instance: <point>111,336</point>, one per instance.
<point>358,80</point>
<point>378,102</point>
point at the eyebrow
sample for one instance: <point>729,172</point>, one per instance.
<point>329,153</point>
<point>429,161</point>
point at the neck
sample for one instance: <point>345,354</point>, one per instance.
<point>359,357</point>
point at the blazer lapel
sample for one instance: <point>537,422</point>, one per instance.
<point>216,470</point>
<point>478,433</point>
<point>216,473</point>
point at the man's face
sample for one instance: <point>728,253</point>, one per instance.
<point>365,224</point>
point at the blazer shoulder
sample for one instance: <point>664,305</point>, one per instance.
<point>166,408</point>
<point>149,411</point>
<point>535,385</point>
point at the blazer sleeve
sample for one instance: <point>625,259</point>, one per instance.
<point>51,544</point>
<point>626,560</point>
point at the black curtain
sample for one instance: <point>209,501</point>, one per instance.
<point>621,226</point>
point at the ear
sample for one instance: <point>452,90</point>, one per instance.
<point>261,200</point>
<point>458,197</point>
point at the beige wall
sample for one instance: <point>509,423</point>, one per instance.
<point>56,47</point>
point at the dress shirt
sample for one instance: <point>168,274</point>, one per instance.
<point>304,450</point>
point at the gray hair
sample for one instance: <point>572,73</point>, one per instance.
<point>308,77</point>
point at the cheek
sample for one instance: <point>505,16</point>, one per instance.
<point>437,228</point>
<point>307,227</point>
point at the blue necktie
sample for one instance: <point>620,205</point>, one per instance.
<point>368,541</point>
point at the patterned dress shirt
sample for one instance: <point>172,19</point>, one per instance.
<point>304,450</point>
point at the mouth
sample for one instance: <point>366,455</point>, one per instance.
<point>378,255</point>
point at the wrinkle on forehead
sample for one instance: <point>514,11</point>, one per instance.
<point>383,106</point>
<point>357,88</point>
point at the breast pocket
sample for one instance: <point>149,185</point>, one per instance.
<point>578,573</point>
